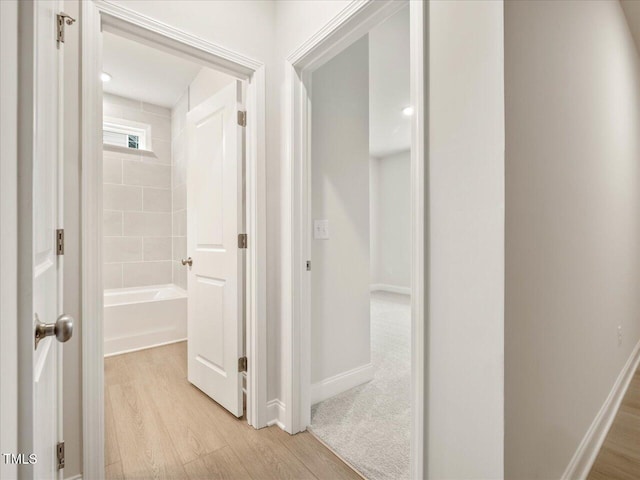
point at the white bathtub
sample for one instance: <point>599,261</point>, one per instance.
<point>143,317</point>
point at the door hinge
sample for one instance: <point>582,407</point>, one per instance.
<point>60,454</point>
<point>60,241</point>
<point>308,265</point>
<point>242,240</point>
<point>242,364</point>
<point>62,19</point>
<point>242,118</point>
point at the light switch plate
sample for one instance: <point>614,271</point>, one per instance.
<point>321,229</point>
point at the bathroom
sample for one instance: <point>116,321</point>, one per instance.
<point>145,103</point>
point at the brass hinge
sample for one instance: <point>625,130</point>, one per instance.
<point>242,118</point>
<point>242,240</point>
<point>60,241</point>
<point>242,364</point>
<point>60,454</point>
<point>62,19</point>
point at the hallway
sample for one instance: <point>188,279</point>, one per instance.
<point>619,457</point>
<point>159,426</point>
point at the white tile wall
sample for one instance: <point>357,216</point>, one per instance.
<point>138,199</point>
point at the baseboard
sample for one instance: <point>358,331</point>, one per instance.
<point>275,413</point>
<point>585,455</point>
<point>75,477</point>
<point>340,383</point>
<point>383,287</point>
<point>146,347</point>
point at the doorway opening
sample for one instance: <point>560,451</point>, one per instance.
<point>360,206</point>
<point>173,272</point>
<point>179,257</point>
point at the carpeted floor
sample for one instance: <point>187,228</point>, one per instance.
<point>369,426</point>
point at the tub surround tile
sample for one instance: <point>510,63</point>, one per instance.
<point>180,223</point>
<point>147,224</point>
<point>112,275</point>
<point>122,197</point>
<point>156,248</point>
<point>112,223</point>
<point>180,197</point>
<point>145,173</point>
<point>179,248</point>
<point>111,170</point>
<point>122,249</point>
<point>146,273</point>
<point>179,275</point>
<point>156,200</point>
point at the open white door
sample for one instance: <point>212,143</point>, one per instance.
<point>41,326</point>
<point>214,219</point>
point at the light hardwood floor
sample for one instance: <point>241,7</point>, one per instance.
<point>159,426</point>
<point>619,457</point>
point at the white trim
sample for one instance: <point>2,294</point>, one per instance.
<point>332,386</point>
<point>75,477</point>
<point>8,234</point>
<point>355,20</point>
<point>146,347</point>
<point>384,287</point>
<point>133,25</point>
<point>276,411</point>
<point>587,451</point>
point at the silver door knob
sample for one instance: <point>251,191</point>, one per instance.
<point>62,329</point>
<point>187,261</point>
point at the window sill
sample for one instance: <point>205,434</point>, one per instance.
<point>130,151</point>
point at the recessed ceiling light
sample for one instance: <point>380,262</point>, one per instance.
<point>105,77</point>
<point>407,111</point>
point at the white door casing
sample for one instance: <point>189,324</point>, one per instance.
<point>40,388</point>
<point>214,220</point>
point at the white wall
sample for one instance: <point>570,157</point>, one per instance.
<point>340,319</point>
<point>572,224</point>
<point>465,199</point>
<point>390,214</point>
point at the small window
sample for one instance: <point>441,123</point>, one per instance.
<point>125,136</point>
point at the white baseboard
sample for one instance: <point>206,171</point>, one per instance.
<point>585,455</point>
<point>275,413</point>
<point>146,347</point>
<point>340,383</point>
<point>75,477</point>
<point>383,287</point>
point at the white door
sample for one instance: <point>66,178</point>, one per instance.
<point>214,220</point>
<point>40,267</point>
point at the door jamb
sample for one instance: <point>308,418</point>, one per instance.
<point>347,26</point>
<point>143,28</point>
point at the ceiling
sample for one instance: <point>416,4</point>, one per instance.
<point>145,73</point>
<point>389,129</point>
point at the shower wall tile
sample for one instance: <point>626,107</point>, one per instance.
<point>122,197</point>
<point>156,248</point>
<point>112,223</point>
<point>179,188</point>
<point>180,197</point>
<point>146,174</point>
<point>147,224</point>
<point>111,169</point>
<point>146,273</point>
<point>179,275</point>
<point>122,249</point>
<point>138,197</point>
<point>112,275</point>
<point>156,200</point>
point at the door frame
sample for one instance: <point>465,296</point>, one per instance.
<point>355,20</point>
<point>95,14</point>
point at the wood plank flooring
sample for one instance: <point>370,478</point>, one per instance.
<point>159,426</point>
<point>619,457</point>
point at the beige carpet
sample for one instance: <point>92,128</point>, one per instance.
<point>369,426</point>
